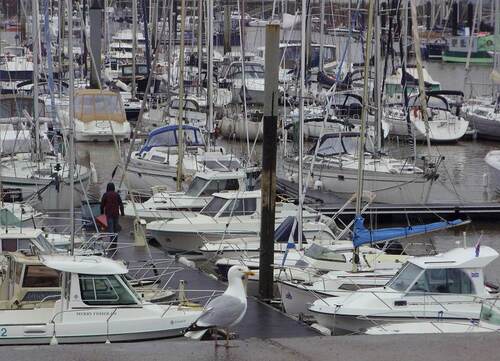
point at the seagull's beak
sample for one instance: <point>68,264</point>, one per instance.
<point>249,273</point>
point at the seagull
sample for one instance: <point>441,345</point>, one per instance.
<point>224,311</point>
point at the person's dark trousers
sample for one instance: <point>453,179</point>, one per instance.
<point>113,228</point>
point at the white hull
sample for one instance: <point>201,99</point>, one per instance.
<point>388,187</point>
<point>45,193</point>
<point>486,126</point>
<point>235,128</point>
<point>296,300</point>
<point>439,130</point>
<point>101,131</point>
<point>492,160</point>
<point>90,325</point>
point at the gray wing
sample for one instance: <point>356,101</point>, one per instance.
<point>222,311</point>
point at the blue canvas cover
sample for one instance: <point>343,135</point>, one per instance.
<point>362,235</point>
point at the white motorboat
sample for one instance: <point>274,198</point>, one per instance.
<point>232,78</point>
<point>99,116</point>
<point>169,205</point>
<point>316,232</point>
<point>298,295</point>
<point>16,125</point>
<point>44,183</point>
<point>492,160</point>
<point>448,287</point>
<point>444,126</point>
<point>228,215</point>
<point>392,180</point>
<point>16,66</point>
<point>484,116</point>
<point>95,304</point>
<point>155,164</point>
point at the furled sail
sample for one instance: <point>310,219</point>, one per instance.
<point>362,235</point>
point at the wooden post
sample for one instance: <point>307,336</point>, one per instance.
<point>269,146</point>
<point>95,15</point>
<point>227,28</point>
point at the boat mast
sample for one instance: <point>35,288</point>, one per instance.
<point>241,11</point>
<point>180,132</point>
<point>71,127</point>
<point>321,34</point>
<point>421,82</point>
<point>377,81</point>
<point>200,45</point>
<point>134,46</point>
<point>301,115</point>
<point>36,51</point>
<point>364,114</point>
<point>210,54</point>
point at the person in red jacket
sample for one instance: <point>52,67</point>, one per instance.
<point>112,207</point>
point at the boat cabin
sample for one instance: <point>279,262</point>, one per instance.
<point>459,271</point>
<point>233,204</point>
<point>253,70</point>
<point>27,282</point>
<point>97,105</point>
<point>168,137</point>
<point>13,239</point>
<point>207,183</point>
<point>290,54</point>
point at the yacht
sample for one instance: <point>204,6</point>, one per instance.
<point>228,215</point>
<point>44,182</point>
<point>444,124</point>
<point>16,66</point>
<point>392,180</point>
<point>99,116</point>
<point>444,287</point>
<point>155,163</point>
<point>97,304</point>
<point>484,116</point>
<point>315,232</point>
<point>232,79</point>
<point>492,161</point>
<point>172,205</point>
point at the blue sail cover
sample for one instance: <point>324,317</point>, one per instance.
<point>362,235</point>
<point>167,136</point>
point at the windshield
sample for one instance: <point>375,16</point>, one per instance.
<point>405,277</point>
<point>214,206</point>
<point>196,186</point>
<point>43,245</point>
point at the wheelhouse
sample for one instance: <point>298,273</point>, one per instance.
<point>223,205</point>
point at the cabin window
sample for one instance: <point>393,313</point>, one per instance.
<point>240,207</point>
<point>40,276</point>
<point>104,290</point>
<point>214,206</point>
<point>157,158</point>
<point>220,185</point>
<point>196,186</point>
<point>405,277</point>
<point>447,280</point>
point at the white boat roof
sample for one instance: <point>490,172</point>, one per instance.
<point>457,258</point>
<point>19,232</point>
<point>220,175</point>
<point>238,195</point>
<point>92,265</point>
